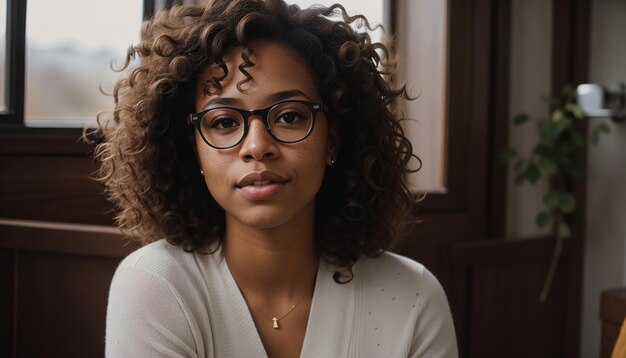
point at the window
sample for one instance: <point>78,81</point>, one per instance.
<point>423,47</point>
<point>68,57</point>
<point>3,41</point>
<point>58,56</point>
<point>374,11</point>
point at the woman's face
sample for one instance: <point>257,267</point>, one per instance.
<point>261,182</point>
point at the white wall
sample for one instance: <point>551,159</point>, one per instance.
<point>605,250</point>
<point>531,51</point>
<point>421,44</point>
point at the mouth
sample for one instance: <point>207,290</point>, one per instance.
<point>261,179</point>
<point>261,186</point>
<point>261,182</point>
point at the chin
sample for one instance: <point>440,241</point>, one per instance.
<point>275,215</point>
<point>263,223</point>
<point>264,217</point>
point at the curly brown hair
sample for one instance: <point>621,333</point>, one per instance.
<point>148,162</point>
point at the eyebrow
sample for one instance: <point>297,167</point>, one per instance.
<point>275,97</point>
<point>280,96</point>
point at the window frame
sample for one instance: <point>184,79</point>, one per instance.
<point>12,120</point>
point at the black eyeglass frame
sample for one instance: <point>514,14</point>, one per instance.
<point>195,119</point>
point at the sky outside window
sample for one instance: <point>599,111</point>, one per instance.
<point>70,45</point>
<point>3,60</point>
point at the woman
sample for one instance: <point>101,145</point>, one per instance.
<point>255,148</point>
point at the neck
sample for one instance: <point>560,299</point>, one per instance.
<point>272,263</point>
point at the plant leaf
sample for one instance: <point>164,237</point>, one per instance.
<point>604,128</point>
<point>542,219</point>
<point>551,199</point>
<point>578,139</point>
<point>557,115</point>
<point>548,165</point>
<point>563,230</point>
<point>507,154</point>
<point>575,110</point>
<point>553,102</point>
<point>542,150</point>
<point>549,131</point>
<point>521,118</point>
<point>533,174</point>
<point>519,164</point>
<point>597,131</point>
<point>567,90</point>
<point>574,170</point>
<point>567,202</point>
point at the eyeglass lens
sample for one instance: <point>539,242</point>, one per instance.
<point>287,121</point>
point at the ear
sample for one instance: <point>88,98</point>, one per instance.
<point>334,142</point>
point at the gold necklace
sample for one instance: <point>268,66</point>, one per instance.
<point>276,319</point>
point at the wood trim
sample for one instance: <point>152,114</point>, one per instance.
<point>502,252</point>
<point>613,306</point>
<point>468,85</point>
<point>15,62</point>
<point>570,42</point>
<point>148,9</point>
<point>65,238</point>
<point>528,259</point>
<point>570,64</point>
<point>42,141</point>
<point>7,302</point>
<point>391,17</point>
<point>49,272</point>
<point>612,314</point>
<point>499,133</point>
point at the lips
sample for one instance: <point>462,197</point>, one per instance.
<point>261,186</point>
<point>260,179</point>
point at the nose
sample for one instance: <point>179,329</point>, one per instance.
<point>258,143</point>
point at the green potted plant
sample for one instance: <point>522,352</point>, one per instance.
<point>553,159</point>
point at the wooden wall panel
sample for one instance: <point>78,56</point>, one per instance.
<point>61,304</point>
<point>54,283</point>
<point>612,314</point>
<point>496,299</point>
<point>7,275</point>
<point>52,189</point>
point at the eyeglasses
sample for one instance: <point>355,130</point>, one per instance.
<point>287,122</point>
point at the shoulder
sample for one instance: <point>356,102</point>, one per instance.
<point>406,305</point>
<point>160,263</point>
<point>153,304</point>
<point>158,268</point>
<point>399,271</point>
<point>158,257</point>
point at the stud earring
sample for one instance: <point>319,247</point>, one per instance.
<point>332,161</point>
<point>201,172</point>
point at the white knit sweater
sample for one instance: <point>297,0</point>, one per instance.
<point>165,302</point>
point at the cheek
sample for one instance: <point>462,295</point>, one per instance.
<point>313,158</point>
<point>213,167</point>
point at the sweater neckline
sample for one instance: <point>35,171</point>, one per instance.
<point>330,302</point>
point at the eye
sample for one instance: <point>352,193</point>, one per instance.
<point>290,117</point>
<point>223,123</point>
<point>222,119</point>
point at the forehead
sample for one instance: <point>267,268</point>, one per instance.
<point>276,68</point>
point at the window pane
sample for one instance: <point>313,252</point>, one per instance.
<point>3,47</point>
<point>423,59</point>
<point>70,45</point>
<point>372,10</point>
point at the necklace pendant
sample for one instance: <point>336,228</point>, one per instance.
<point>275,322</point>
